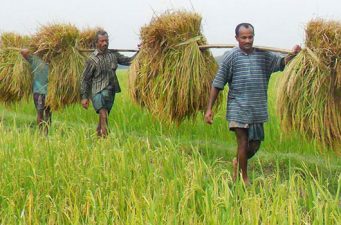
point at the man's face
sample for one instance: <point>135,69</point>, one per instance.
<point>245,39</point>
<point>102,42</point>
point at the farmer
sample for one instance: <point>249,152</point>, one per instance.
<point>247,71</point>
<point>99,81</point>
<point>40,81</point>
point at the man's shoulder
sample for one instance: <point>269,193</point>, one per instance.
<point>230,54</point>
<point>92,58</point>
<point>35,60</point>
<point>265,53</point>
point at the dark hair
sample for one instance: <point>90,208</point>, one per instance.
<point>246,25</point>
<point>102,33</point>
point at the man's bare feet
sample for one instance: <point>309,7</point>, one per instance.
<point>235,173</point>
<point>246,181</point>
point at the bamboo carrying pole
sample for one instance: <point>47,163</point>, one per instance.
<point>114,50</point>
<point>279,50</point>
<point>203,47</point>
<point>17,49</point>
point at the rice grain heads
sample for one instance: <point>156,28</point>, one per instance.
<point>171,76</point>
<point>87,37</point>
<point>309,98</point>
<point>57,44</point>
<point>15,72</point>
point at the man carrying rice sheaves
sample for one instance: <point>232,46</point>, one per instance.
<point>40,82</point>
<point>247,71</point>
<point>99,81</point>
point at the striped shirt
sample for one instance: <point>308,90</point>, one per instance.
<point>247,76</point>
<point>100,72</point>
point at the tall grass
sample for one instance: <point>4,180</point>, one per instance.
<point>147,172</point>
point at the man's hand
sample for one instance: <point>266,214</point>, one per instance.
<point>25,53</point>
<point>139,47</point>
<point>296,49</point>
<point>209,116</point>
<point>85,103</point>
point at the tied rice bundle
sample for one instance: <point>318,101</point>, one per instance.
<point>87,38</point>
<point>64,79</point>
<point>57,44</point>
<point>309,99</point>
<point>15,72</point>
<point>171,76</point>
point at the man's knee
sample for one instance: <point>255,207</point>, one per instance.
<point>253,148</point>
<point>103,113</point>
<point>241,135</point>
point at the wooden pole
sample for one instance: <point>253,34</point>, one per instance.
<point>114,50</point>
<point>12,48</point>
<point>203,47</point>
<point>280,50</point>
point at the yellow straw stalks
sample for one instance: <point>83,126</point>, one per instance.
<point>15,72</point>
<point>87,38</point>
<point>309,99</point>
<point>170,76</point>
<point>57,44</point>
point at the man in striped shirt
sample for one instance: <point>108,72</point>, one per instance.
<point>99,81</point>
<point>247,71</point>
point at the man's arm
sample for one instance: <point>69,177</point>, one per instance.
<point>25,53</point>
<point>278,62</point>
<point>124,60</point>
<point>213,97</point>
<point>86,83</point>
<point>224,75</point>
<point>295,50</point>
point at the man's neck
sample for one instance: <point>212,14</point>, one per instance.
<point>249,51</point>
<point>101,51</point>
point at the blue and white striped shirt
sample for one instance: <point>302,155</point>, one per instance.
<point>248,77</point>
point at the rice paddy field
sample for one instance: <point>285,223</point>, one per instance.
<point>147,172</point>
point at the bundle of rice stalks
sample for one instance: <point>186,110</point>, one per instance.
<point>309,99</point>
<point>57,44</point>
<point>15,72</point>
<point>87,38</point>
<point>64,79</point>
<point>170,76</point>
<point>51,40</point>
<point>324,39</point>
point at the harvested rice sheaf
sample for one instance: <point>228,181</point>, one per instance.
<point>87,38</point>
<point>64,79</point>
<point>53,39</point>
<point>309,98</point>
<point>57,44</point>
<point>15,72</point>
<point>171,76</point>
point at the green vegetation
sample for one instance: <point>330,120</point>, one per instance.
<point>147,172</point>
